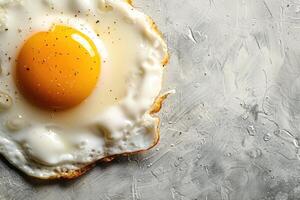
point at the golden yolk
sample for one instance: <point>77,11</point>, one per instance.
<point>58,69</point>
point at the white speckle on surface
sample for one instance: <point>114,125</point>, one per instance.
<point>267,137</point>
<point>251,130</point>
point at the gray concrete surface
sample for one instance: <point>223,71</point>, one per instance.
<point>232,130</point>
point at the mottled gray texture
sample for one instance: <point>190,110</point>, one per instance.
<point>232,130</point>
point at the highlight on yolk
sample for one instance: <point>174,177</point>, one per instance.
<point>58,69</point>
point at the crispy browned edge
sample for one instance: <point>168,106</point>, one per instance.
<point>166,59</point>
<point>156,107</point>
<point>129,1</point>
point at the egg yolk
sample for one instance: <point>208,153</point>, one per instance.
<point>58,69</point>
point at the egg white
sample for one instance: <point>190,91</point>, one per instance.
<point>115,119</point>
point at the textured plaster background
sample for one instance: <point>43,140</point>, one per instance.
<point>232,130</point>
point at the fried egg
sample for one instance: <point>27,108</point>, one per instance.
<point>80,82</point>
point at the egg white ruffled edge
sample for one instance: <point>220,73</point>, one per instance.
<point>71,171</point>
